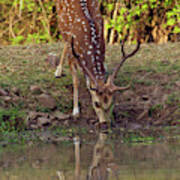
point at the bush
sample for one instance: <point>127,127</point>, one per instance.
<point>153,21</point>
<point>27,21</point>
<point>30,21</point>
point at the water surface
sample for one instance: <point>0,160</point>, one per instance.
<point>98,158</point>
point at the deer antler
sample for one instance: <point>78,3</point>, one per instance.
<point>116,70</point>
<point>85,69</point>
<point>125,57</point>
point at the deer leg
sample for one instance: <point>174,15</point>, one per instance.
<point>75,89</point>
<point>58,72</point>
<point>77,157</point>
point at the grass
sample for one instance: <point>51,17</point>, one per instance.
<point>173,98</point>
<point>11,120</point>
<point>24,66</point>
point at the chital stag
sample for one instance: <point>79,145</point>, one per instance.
<point>81,26</point>
<point>102,161</point>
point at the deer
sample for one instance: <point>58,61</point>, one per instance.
<point>103,163</point>
<point>82,30</point>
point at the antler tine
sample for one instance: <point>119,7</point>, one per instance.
<point>85,69</point>
<point>123,43</point>
<point>115,72</point>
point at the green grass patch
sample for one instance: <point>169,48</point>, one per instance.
<point>174,98</point>
<point>12,120</point>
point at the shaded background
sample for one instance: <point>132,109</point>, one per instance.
<point>34,21</point>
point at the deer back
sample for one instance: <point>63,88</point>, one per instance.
<point>81,19</point>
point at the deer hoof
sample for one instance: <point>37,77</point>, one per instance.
<point>58,73</point>
<point>75,113</point>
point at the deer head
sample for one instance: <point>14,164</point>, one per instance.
<point>102,90</point>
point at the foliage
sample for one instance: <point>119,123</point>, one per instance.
<point>153,20</point>
<point>29,21</point>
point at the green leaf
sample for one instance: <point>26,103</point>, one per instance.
<point>171,22</point>
<point>144,7</point>
<point>17,40</point>
<point>176,29</point>
<point>110,7</point>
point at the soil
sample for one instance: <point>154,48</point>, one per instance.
<point>27,84</point>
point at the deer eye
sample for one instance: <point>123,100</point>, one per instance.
<point>97,104</point>
<point>100,93</point>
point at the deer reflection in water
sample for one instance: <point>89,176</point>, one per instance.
<point>102,164</point>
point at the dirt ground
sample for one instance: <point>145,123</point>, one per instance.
<point>29,91</point>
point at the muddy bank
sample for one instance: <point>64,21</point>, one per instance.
<point>32,99</point>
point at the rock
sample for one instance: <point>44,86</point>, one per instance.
<point>60,115</point>
<point>128,94</point>
<point>16,91</point>
<point>35,89</point>
<point>47,101</point>
<point>3,92</point>
<point>6,98</point>
<point>43,121</point>
<point>15,99</point>
<point>145,97</point>
<point>177,83</point>
<point>33,126</point>
<point>134,126</point>
<point>34,115</point>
